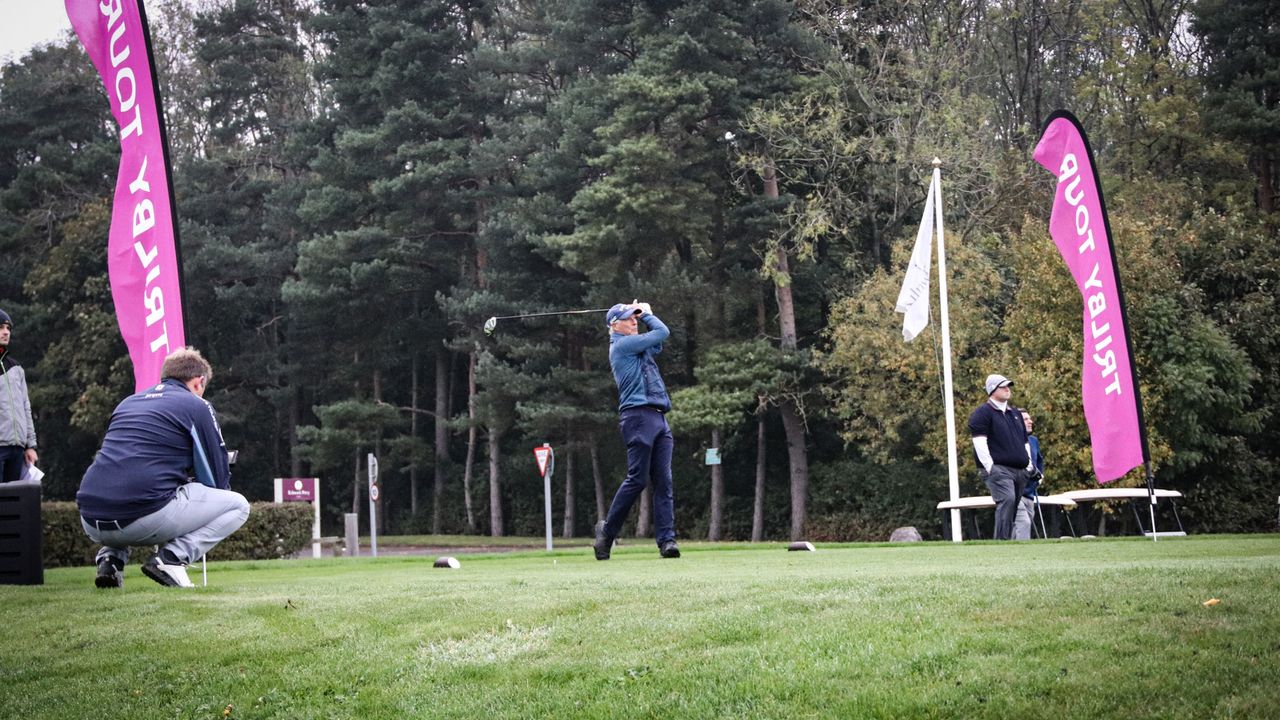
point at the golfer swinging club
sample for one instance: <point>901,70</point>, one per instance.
<point>642,407</point>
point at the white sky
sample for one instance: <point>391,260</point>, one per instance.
<point>27,23</point>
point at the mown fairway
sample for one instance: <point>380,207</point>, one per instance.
<point>1081,629</point>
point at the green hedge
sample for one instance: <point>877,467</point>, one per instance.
<point>863,501</point>
<point>272,531</point>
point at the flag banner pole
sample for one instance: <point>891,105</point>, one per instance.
<point>913,303</point>
<point>142,249</point>
<point>1082,233</point>
<point>953,470</point>
<point>1151,497</point>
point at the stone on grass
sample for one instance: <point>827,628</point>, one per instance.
<point>905,534</point>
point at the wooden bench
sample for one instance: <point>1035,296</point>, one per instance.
<point>979,502</point>
<point>1133,495</point>
<point>1116,494</point>
<point>985,501</point>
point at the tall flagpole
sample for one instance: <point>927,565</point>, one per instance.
<point>953,472</point>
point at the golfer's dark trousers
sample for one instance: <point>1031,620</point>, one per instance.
<point>12,458</point>
<point>649,444</point>
<point>1006,485</point>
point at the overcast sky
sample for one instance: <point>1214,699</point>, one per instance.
<point>26,23</point>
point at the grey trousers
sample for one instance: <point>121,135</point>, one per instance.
<point>1024,520</point>
<point>198,518</point>
<point>1006,485</point>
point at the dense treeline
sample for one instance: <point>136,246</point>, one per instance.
<point>361,184</point>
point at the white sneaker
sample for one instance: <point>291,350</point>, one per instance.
<point>167,575</point>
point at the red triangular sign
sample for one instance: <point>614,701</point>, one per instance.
<point>542,454</point>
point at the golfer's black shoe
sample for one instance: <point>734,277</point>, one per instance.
<point>603,545</point>
<point>669,549</point>
<point>109,576</point>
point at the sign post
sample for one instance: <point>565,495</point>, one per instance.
<point>373,504</point>
<point>303,490</point>
<point>546,458</point>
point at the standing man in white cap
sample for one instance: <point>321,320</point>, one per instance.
<point>1001,450</point>
<point>17,430</point>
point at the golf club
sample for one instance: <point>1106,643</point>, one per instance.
<point>492,323</point>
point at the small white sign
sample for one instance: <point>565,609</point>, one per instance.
<point>542,454</point>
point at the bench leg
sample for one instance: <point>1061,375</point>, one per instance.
<point>1141,530</point>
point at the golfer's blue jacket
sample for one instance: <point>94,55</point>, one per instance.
<point>157,440</point>
<point>634,368</point>
<point>1038,460</point>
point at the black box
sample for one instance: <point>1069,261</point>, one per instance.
<point>21,542</point>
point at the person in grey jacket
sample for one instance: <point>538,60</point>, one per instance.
<point>17,429</point>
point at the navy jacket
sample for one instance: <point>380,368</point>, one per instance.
<point>157,440</point>
<point>635,369</point>
<point>1037,458</point>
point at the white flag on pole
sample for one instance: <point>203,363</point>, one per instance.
<point>913,299</point>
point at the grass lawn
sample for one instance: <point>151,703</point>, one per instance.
<point>1110,628</point>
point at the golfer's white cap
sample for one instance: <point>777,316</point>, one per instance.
<point>995,382</point>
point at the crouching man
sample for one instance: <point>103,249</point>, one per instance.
<point>138,491</point>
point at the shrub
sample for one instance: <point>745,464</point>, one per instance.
<point>846,527</point>
<point>272,531</point>
<point>865,501</point>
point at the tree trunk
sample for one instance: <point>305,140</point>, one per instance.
<point>278,438</point>
<point>782,277</point>
<point>799,462</point>
<point>1266,187</point>
<point>642,521</point>
<point>381,517</point>
<point>601,508</point>
<point>451,392</point>
<point>796,453</point>
<point>295,419</point>
<point>495,485</point>
<point>442,435</point>
<point>472,430</point>
<point>569,515</point>
<point>413,432</point>
<point>757,515</point>
<point>355,485</point>
<point>716,527</point>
